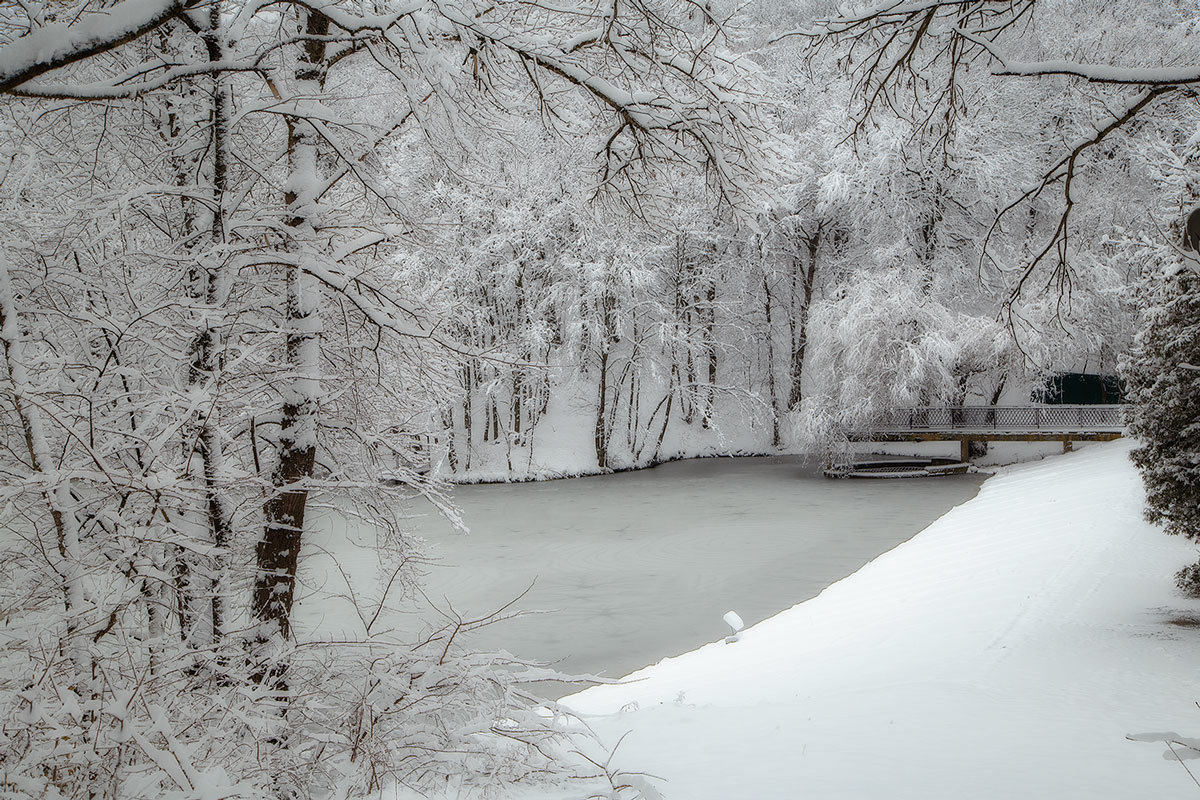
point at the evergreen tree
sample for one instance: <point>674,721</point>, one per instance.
<point>1164,382</point>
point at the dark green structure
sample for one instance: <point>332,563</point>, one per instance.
<point>1080,389</point>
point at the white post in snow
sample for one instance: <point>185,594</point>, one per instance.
<point>735,622</point>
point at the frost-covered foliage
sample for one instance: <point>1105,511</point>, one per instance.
<point>705,344</point>
<point>885,341</point>
<point>901,314</point>
<point>1106,74</point>
<point>364,717</point>
<point>692,332</point>
<point>128,630</point>
<point>1163,375</point>
<point>1031,202</point>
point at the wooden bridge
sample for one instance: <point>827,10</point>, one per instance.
<point>1066,424</point>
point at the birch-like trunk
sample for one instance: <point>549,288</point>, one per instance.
<point>205,366</point>
<point>278,551</point>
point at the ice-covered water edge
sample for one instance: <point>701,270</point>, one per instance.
<point>569,463</point>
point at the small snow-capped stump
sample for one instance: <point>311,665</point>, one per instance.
<point>734,621</point>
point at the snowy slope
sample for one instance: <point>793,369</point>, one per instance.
<point>1005,651</point>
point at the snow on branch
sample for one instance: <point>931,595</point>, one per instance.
<point>57,45</point>
<point>1064,170</point>
<point>682,111</point>
<point>124,88</point>
<point>381,307</point>
<point>1104,73</point>
<point>895,46</point>
<point>913,59</point>
<point>1093,73</point>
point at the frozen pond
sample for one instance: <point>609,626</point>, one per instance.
<point>642,565</point>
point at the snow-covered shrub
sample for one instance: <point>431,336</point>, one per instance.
<point>358,718</point>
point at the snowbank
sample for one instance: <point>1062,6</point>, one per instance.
<point>1007,650</point>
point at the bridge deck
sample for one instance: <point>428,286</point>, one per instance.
<point>985,436</point>
<point>1003,419</point>
<point>996,423</point>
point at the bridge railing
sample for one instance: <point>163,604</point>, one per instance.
<point>1095,418</point>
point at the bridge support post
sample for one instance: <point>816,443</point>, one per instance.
<point>964,450</point>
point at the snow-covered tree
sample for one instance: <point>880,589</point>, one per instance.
<point>1163,376</point>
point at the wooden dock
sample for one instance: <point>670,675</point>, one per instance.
<point>899,468</point>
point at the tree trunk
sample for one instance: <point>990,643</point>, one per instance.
<point>468,416</point>
<point>277,553</point>
<point>451,433</point>
<point>771,391</point>
<point>710,353</point>
<point>662,432</point>
<point>206,345</point>
<point>800,342</point>
<point>279,548</point>
<point>601,429</point>
<point>518,389</point>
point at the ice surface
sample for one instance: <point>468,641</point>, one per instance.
<point>642,565</point>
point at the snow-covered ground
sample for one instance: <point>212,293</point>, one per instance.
<point>1006,651</point>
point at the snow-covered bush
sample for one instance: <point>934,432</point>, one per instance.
<point>360,717</point>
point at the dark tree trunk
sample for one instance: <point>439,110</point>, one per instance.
<point>277,553</point>
<point>710,353</point>
<point>771,391</point>
<point>468,416</point>
<point>601,435</point>
<point>800,342</point>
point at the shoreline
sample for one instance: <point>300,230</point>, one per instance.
<point>1028,452</point>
